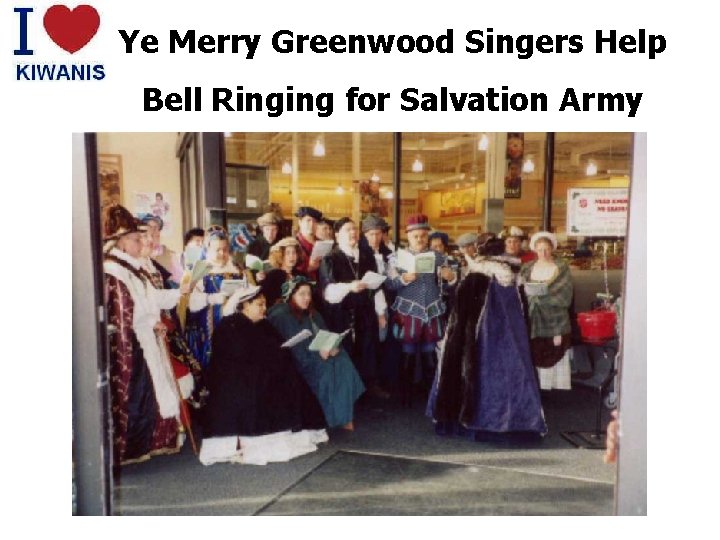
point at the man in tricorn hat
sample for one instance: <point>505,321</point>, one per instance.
<point>307,219</point>
<point>269,224</point>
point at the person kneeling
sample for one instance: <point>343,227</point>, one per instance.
<point>259,409</point>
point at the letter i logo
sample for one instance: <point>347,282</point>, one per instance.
<point>23,50</point>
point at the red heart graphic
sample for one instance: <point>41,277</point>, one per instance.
<point>71,30</point>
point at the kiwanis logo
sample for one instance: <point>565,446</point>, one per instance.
<point>69,29</point>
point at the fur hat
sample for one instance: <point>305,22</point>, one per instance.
<point>243,294</point>
<point>417,221</point>
<point>119,222</point>
<point>285,242</point>
<point>269,218</point>
<point>467,239</point>
<point>543,234</point>
<point>309,211</point>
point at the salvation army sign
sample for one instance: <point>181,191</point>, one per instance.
<point>597,211</point>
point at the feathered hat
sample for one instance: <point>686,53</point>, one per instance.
<point>118,221</point>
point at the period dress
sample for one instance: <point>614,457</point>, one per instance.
<point>359,311</point>
<point>257,394</point>
<point>206,310</point>
<point>334,381</point>
<point>549,316</point>
<point>144,397</point>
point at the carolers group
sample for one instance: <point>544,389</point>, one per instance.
<point>467,331</point>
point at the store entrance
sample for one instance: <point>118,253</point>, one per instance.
<point>390,433</point>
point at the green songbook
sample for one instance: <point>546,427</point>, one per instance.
<point>422,263</point>
<point>327,341</point>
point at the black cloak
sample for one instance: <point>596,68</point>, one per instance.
<point>254,386</point>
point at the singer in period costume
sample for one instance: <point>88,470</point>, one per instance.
<point>485,381</point>
<point>260,409</point>
<point>349,304</point>
<point>549,312</point>
<point>144,397</point>
<point>330,374</point>
<point>207,299</point>
<point>419,307</point>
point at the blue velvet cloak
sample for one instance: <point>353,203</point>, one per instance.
<point>486,380</point>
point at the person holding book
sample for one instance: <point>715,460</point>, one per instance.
<point>373,229</point>
<point>144,401</point>
<point>260,409</point>
<point>269,224</point>
<point>307,220</point>
<point>329,371</point>
<point>283,260</point>
<point>419,276</point>
<point>549,289</point>
<point>187,369</point>
<point>208,296</point>
<point>349,303</point>
<point>324,229</point>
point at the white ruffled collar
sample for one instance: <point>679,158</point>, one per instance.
<point>132,261</point>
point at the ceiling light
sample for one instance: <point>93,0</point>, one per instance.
<point>286,168</point>
<point>375,177</point>
<point>591,169</point>
<point>319,149</point>
<point>417,165</point>
<point>528,166</point>
<point>484,142</point>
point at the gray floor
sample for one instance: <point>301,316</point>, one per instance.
<point>393,464</point>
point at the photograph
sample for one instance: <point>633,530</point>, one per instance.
<point>388,334</point>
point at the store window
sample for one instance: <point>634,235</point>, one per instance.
<point>453,177</point>
<point>443,176</point>
<point>340,174</point>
